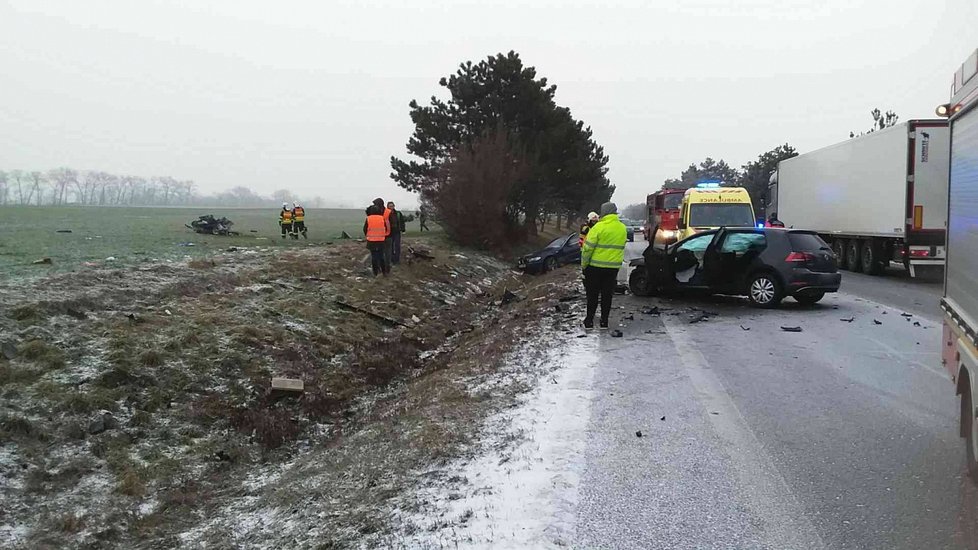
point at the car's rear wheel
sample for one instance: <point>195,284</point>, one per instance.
<point>870,258</point>
<point>638,282</point>
<point>839,248</point>
<point>764,290</point>
<point>854,254</point>
<point>809,298</point>
<point>550,264</point>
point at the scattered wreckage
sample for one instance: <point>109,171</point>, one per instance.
<point>209,225</point>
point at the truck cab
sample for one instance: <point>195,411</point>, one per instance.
<point>710,206</point>
<point>662,220</point>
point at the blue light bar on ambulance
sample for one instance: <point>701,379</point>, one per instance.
<point>708,183</point>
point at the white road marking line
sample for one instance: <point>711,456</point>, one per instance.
<point>787,525</point>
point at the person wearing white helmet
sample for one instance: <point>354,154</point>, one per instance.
<point>592,218</point>
<point>298,221</point>
<point>285,218</point>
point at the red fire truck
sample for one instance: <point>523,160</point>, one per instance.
<point>663,216</point>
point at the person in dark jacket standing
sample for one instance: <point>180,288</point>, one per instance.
<point>398,226</point>
<point>376,228</point>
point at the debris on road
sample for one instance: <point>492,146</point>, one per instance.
<point>616,333</point>
<point>699,319</point>
<point>569,297</point>
<point>877,322</point>
<point>791,329</point>
<point>663,419</point>
<point>742,327</point>
<point>848,320</point>
<point>907,315</point>
<point>916,323</point>
<point>621,288</point>
<point>638,433</point>
<point>42,261</point>
<point>654,310</point>
<point>63,231</point>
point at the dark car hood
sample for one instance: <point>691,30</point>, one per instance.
<point>542,252</point>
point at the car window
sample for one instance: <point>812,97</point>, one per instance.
<point>697,245</point>
<point>672,201</point>
<point>571,240</point>
<point>557,243</point>
<point>716,215</point>
<point>740,243</point>
<point>806,242</point>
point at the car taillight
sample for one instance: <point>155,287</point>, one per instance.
<point>800,257</point>
<point>919,253</point>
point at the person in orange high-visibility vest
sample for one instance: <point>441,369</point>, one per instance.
<point>285,220</point>
<point>299,220</point>
<point>388,241</point>
<point>376,229</point>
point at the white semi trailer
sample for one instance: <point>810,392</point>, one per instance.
<point>876,198</point>
<point>960,303</point>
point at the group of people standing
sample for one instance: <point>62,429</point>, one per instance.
<point>383,228</point>
<point>293,221</point>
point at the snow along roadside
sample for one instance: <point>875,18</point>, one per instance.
<point>522,491</point>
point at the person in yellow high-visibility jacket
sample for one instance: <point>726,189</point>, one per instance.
<point>601,258</point>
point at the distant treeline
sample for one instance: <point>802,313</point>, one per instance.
<point>64,186</point>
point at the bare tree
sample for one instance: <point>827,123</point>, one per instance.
<point>61,179</point>
<point>37,181</point>
<point>4,188</point>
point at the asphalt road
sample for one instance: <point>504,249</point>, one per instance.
<point>843,435</point>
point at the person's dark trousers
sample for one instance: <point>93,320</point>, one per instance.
<point>286,229</point>
<point>396,248</point>
<point>377,257</point>
<point>599,283</point>
<point>388,250</point>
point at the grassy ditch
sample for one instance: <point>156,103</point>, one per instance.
<point>138,400</point>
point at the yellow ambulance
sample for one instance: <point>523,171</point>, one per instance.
<point>709,206</point>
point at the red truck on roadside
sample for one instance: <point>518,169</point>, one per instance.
<point>662,216</point>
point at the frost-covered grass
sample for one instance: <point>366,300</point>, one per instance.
<point>138,407</point>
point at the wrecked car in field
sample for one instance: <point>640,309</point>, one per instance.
<point>764,264</point>
<point>209,225</point>
<point>563,250</point>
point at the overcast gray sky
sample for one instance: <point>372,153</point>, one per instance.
<point>312,96</point>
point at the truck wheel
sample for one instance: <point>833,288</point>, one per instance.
<point>971,432</point>
<point>764,290</point>
<point>839,247</point>
<point>870,258</point>
<point>853,255</point>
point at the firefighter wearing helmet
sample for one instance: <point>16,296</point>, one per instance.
<point>285,218</point>
<point>592,218</point>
